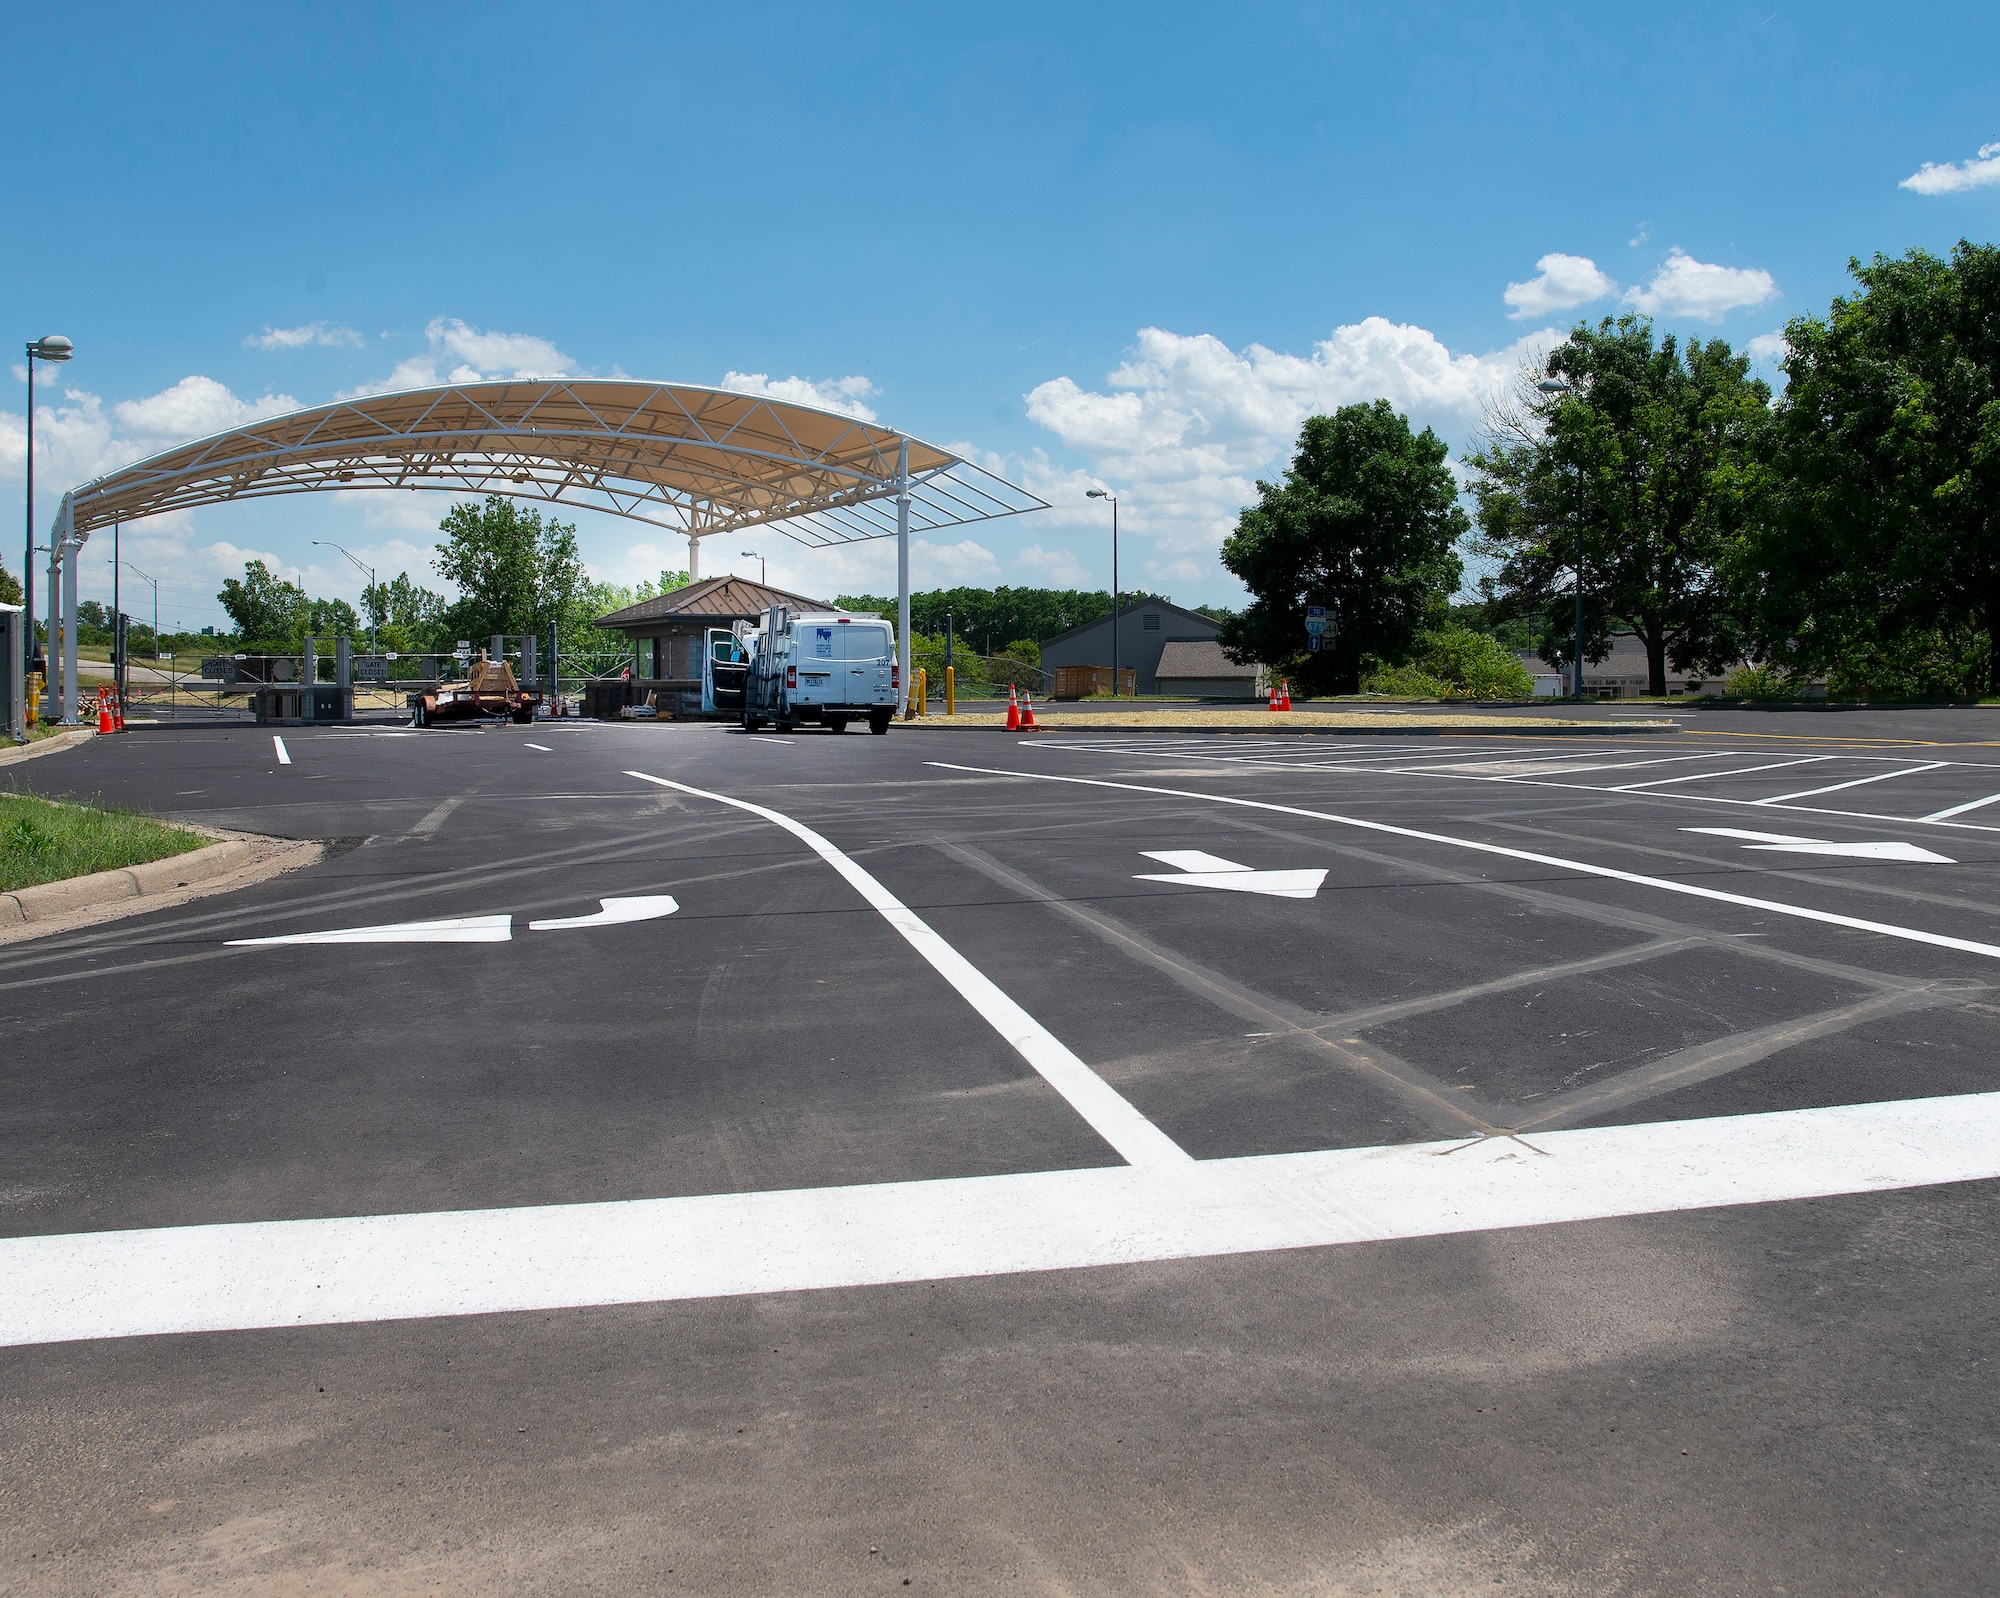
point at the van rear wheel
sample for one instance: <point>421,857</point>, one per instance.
<point>878,724</point>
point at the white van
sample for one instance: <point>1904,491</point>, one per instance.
<point>800,667</point>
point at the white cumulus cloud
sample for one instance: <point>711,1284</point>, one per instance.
<point>1931,178</point>
<point>843,394</point>
<point>1561,282</point>
<point>1186,426</point>
<point>1769,349</point>
<point>298,338</point>
<point>1683,286</point>
<point>459,353</point>
<point>193,408</point>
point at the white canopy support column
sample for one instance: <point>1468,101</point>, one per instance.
<point>903,577</point>
<point>694,557</point>
<point>64,544</point>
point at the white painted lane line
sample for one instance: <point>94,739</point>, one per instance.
<point>1697,776</point>
<point>613,913</point>
<point>1858,782</point>
<point>461,929</point>
<point>545,749</point>
<point>1107,1111</point>
<point>1959,810</point>
<point>481,1262</point>
<point>284,754</point>
<point>1665,885</point>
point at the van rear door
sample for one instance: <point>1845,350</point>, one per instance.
<point>869,654</point>
<point>723,671</point>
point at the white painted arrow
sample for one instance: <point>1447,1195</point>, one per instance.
<point>464,929</point>
<point>1781,843</point>
<point>615,912</point>
<point>1194,869</point>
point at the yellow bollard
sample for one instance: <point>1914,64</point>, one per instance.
<point>951,690</point>
<point>923,692</point>
<point>34,699</point>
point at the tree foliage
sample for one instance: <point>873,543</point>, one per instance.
<point>264,607</point>
<point>10,587</point>
<point>982,617</point>
<point>1632,472</point>
<point>1365,523</point>
<point>514,572</point>
<point>1874,549</point>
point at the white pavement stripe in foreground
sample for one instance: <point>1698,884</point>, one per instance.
<point>284,754</point>
<point>460,929</point>
<point>614,913</point>
<point>475,1262</point>
<point>1110,1115</point>
<point>1666,885</point>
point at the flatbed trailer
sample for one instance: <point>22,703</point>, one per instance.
<point>487,690</point>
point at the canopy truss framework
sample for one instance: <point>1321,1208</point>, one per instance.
<point>693,460</point>
<point>697,461</point>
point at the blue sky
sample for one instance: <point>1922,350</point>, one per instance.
<point>1119,245</point>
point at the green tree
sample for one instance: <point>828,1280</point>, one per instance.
<point>263,606</point>
<point>404,614</point>
<point>1875,551</point>
<point>1365,523</point>
<point>1633,469</point>
<point>668,583</point>
<point>514,572</point>
<point>10,587</point>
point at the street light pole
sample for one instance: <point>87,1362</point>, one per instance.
<point>751,554</point>
<point>1099,493</point>
<point>1554,385</point>
<point>156,604</point>
<point>50,347</point>
<point>374,590</point>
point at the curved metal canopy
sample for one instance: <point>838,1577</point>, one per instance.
<point>697,460</point>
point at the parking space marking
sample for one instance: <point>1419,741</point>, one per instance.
<point>284,754</point>
<point>1689,889</point>
<point>1697,776</point>
<point>545,749</point>
<point>1638,790</point>
<point>563,1256</point>
<point>1858,782</point>
<point>1107,1111</point>
<point>1959,810</point>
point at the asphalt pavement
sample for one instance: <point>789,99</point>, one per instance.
<point>1095,1162</point>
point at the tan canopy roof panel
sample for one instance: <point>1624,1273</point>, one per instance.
<point>696,460</point>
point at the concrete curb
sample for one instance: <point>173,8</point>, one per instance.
<point>46,746</point>
<point>235,861</point>
<point>1497,728</point>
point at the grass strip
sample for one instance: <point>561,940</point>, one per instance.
<point>43,841</point>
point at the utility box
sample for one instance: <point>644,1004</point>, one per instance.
<point>14,655</point>
<point>293,703</point>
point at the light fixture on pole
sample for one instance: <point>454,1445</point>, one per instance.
<point>1555,387</point>
<point>373,597</point>
<point>751,554</point>
<point>1100,493</point>
<point>52,347</point>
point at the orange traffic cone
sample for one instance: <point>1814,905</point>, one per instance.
<point>1013,708</point>
<point>117,712</point>
<point>1274,696</point>
<point>1285,693</point>
<point>103,714</point>
<point>1028,713</point>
